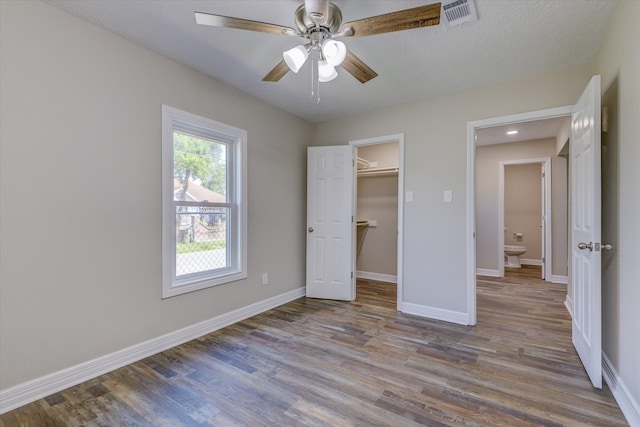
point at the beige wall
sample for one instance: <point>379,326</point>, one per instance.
<point>80,174</point>
<point>378,201</point>
<point>523,208</point>
<point>384,155</point>
<point>619,64</point>
<point>562,138</point>
<point>559,217</point>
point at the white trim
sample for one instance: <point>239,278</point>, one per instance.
<point>548,220</point>
<point>629,406</point>
<point>559,279</point>
<point>568,304</point>
<point>471,224</point>
<point>529,261</point>
<point>472,126</point>
<point>488,272</point>
<point>38,388</point>
<point>399,138</point>
<point>376,276</point>
<point>457,317</point>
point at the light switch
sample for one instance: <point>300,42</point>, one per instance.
<point>409,196</point>
<point>448,196</point>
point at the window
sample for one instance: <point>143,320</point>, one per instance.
<point>204,202</point>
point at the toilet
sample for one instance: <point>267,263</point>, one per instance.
<point>513,252</point>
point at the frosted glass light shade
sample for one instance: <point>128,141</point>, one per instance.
<point>326,72</point>
<point>334,51</point>
<point>295,57</point>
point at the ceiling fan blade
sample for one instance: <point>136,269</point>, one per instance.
<point>417,17</point>
<point>277,73</point>
<point>357,68</point>
<point>212,20</point>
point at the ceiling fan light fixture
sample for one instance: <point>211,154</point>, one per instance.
<point>295,57</point>
<point>326,71</point>
<point>334,51</point>
<point>320,21</point>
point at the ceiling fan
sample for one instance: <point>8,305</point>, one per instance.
<point>320,22</point>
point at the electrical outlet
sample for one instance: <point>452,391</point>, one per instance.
<point>265,278</point>
<point>408,196</point>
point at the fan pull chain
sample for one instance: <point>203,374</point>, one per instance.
<point>318,86</point>
<point>316,66</point>
<point>313,68</point>
<point>315,82</point>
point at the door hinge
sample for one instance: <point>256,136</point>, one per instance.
<point>543,260</point>
<point>352,274</point>
<point>352,219</point>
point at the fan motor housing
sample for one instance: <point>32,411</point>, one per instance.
<point>331,22</point>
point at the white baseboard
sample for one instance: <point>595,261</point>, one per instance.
<point>568,303</point>
<point>38,388</point>
<point>559,279</point>
<point>487,272</point>
<point>435,313</point>
<point>376,276</point>
<point>528,261</point>
<point>625,400</point>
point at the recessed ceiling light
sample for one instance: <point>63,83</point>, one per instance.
<point>512,132</point>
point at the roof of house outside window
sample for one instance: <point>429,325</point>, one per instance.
<point>198,193</point>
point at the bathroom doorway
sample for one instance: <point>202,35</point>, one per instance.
<point>524,212</point>
<point>484,259</point>
<point>538,144</point>
<point>379,209</point>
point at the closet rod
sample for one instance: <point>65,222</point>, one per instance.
<point>378,171</point>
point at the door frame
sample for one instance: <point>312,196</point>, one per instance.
<point>545,213</point>
<point>399,138</point>
<point>472,126</point>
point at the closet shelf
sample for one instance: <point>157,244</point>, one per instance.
<point>364,162</point>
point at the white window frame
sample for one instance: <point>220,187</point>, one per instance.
<point>175,119</point>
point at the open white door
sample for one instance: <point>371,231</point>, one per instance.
<point>330,226</point>
<point>585,230</point>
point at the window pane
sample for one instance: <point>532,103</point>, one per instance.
<point>199,169</point>
<point>201,239</point>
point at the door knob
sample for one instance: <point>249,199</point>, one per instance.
<point>583,245</point>
<point>310,229</point>
<point>607,247</point>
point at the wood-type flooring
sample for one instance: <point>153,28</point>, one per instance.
<point>362,363</point>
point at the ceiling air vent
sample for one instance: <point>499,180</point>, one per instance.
<point>458,12</point>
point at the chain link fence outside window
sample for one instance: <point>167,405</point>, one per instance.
<point>201,239</point>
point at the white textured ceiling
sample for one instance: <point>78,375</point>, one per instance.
<point>512,38</point>
<point>527,131</point>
